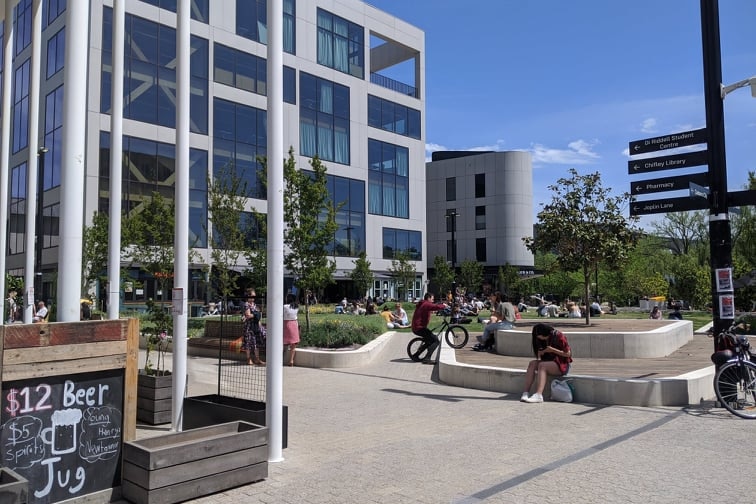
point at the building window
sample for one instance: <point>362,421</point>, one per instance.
<point>451,189</point>
<point>240,70</point>
<point>480,185</point>
<point>341,44</point>
<point>480,217</point>
<point>150,73</point>
<point>480,249</point>
<point>17,210</point>
<point>289,85</point>
<point>51,226</point>
<point>22,24</point>
<point>398,241</point>
<point>252,22</point>
<point>21,107</point>
<point>390,116</point>
<point>200,10</point>
<point>56,48</point>
<point>53,139</point>
<point>54,9</point>
<point>323,119</point>
<point>388,179</point>
<point>152,169</point>
<point>239,134</point>
<point>348,197</point>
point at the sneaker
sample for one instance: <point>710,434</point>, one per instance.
<point>535,398</point>
<point>524,397</point>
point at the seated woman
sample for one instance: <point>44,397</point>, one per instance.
<point>573,311</point>
<point>399,317</point>
<point>553,357</point>
<point>655,314</point>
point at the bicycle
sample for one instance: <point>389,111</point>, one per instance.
<point>735,380</point>
<point>456,337</point>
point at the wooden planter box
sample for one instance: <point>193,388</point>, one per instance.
<point>212,409</point>
<point>14,489</point>
<point>154,398</point>
<point>186,465</point>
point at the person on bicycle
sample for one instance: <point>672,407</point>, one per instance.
<point>420,321</point>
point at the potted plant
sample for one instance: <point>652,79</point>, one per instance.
<point>155,383</point>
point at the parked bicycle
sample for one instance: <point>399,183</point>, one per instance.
<point>735,380</point>
<point>456,337</point>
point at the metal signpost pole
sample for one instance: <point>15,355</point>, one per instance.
<point>719,221</point>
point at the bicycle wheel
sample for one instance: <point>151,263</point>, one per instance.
<point>417,349</point>
<point>457,336</point>
<point>735,386</point>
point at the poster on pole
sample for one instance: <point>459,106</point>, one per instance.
<point>178,301</point>
<point>724,279</point>
<point>727,306</point>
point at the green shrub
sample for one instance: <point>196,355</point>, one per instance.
<point>341,332</point>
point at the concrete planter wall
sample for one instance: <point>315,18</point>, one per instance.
<point>154,398</point>
<point>196,462</point>
<point>202,411</point>
<point>14,489</point>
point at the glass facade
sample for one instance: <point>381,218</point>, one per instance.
<point>22,25</point>
<point>348,196</point>
<point>150,167</point>
<point>252,22</point>
<point>200,10</point>
<point>53,139</point>
<point>150,73</point>
<point>390,116</point>
<point>17,210</point>
<point>398,241</point>
<point>388,179</point>
<point>56,48</point>
<point>240,135</point>
<point>52,9</point>
<point>323,119</point>
<point>341,44</point>
<point>21,107</point>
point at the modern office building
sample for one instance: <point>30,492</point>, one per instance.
<point>354,95</point>
<point>480,206</point>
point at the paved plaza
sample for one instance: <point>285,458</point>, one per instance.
<point>388,432</point>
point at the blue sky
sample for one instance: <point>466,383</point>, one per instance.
<point>574,82</point>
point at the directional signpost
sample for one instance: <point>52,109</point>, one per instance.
<point>667,183</point>
<point>685,160</point>
<point>665,142</point>
<point>697,200</point>
<point>667,205</point>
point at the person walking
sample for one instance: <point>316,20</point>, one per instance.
<point>553,357</point>
<point>250,343</point>
<point>420,321</point>
<point>291,325</point>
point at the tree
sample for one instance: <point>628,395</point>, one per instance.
<point>404,272</point>
<point>361,275</point>
<point>509,279</point>
<point>310,226</point>
<point>94,251</point>
<point>682,231</point>
<point>226,197</point>
<point>584,226</point>
<point>443,275</point>
<point>744,232</point>
<point>149,231</point>
<point>471,275</point>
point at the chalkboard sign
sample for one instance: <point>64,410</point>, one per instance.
<point>64,433</point>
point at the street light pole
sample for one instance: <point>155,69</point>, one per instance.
<point>39,238</point>
<point>453,216</point>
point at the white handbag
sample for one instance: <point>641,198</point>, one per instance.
<point>561,390</point>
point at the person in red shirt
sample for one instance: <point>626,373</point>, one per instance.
<point>553,357</point>
<point>421,319</point>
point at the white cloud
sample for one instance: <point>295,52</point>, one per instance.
<point>649,125</point>
<point>578,152</point>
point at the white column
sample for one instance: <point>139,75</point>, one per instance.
<point>116,161</point>
<point>73,160</point>
<point>33,235</point>
<point>5,143</point>
<point>181,245</point>
<point>274,351</point>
